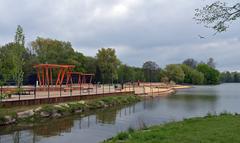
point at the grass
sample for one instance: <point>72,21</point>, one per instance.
<point>224,128</point>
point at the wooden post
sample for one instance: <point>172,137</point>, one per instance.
<point>35,88</point>
<point>43,81</point>
<point>103,85</point>
<point>48,92</point>
<point>60,90</point>
<point>96,87</point>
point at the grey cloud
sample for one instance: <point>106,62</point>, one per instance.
<point>140,30</point>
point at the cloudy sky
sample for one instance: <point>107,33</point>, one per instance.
<point>140,30</point>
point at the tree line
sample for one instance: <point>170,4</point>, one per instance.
<point>230,77</point>
<point>17,60</point>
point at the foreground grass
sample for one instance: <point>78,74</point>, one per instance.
<point>224,128</point>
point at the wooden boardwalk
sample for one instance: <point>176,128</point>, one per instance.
<point>64,95</point>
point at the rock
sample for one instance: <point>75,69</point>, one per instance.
<point>56,115</point>
<point>81,102</point>
<point>38,109</point>
<point>58,106</point>
<point>78,111</point>
<point>9,120</point>
<point>64,105</point>
<point>44,114</point>
<point>25,114</point>
<point>66,113</point>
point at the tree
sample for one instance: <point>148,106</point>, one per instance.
<point>190,62</point>
<point>187,72</point>
<point>138,74</point>
<point>151,70</point>
<point>236,77</point>
<point>125,73</point>
<point>211,75</point>
<point>108,63</point>
<point>12,59</point>
<point>218,15</point>
<point>18,59</point>
<point>211,63</point>
<point>192,76</point>
<point>197,77</point>
<point>6,61</point>
<point>19,36</point>
<point>54,51</point>
<point>227,77</point>
<point>175,73</point>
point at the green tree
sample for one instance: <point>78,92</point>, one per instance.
<point>54,51</point>
<point>188,73</point>
<point>197,77</point>
<point>126,73</point>
<point>108,63</point>
<point>211,75</point>
<point>175,73</point>
<point>6,53</point>
<point>192,76</point>
<point>226,77</point>
<point>236,77</point>
<point>138,74</point>
<point>18,59</point>
<point>12,59</point>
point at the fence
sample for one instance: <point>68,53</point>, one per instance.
<point>59,93</point>
<point>12,93</point>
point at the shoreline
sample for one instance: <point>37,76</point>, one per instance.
<point>48,111</point>
<point>163,91</point>
<point>35,114</point>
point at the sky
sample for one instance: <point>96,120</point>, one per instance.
<point>140,30</point>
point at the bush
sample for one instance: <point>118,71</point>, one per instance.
<point>122,136</point>
<point>48,108</point>
<point>3,96</point>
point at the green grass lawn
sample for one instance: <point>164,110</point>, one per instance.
<point>224,128</point>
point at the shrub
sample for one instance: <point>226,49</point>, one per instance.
<point>122,136</point>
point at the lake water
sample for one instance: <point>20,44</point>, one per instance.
<point>103,124</point>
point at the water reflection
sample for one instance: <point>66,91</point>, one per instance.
<point>101,124</point>
<point>64,125</point>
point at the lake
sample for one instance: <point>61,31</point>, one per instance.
<point>105,123</point>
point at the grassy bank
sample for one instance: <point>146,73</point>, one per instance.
<point>224,128</point>
<point>41,112</point>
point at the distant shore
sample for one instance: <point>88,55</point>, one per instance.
<point>153,91</point>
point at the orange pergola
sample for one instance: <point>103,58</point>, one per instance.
<point>44,74</point>
<point>82,77</point>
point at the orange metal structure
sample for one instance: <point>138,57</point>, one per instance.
<point>82,78</point>
<point>45,77</point>
<point>44,73</point>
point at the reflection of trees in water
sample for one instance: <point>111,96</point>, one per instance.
<point>57,126</point>
<point>16,137</point>
<point>108,117</point>
<point>151,103</point>
<point>54,128</point>
<point>192,102</point>
<point>193,97</point>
